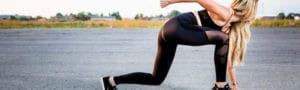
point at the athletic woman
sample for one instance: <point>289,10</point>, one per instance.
<point>209,26</point>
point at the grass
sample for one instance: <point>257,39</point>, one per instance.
<point>10,24</point>
<point>276,23</point>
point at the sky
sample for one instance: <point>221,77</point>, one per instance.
<point>127,8</point>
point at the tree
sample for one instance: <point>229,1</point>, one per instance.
<point>281,16</point>
<point>22,18</point>
<point>139,16</point>
<point>13,18</point>
<point>89,14</point>
<point>81,16</point>
<point>173,13</point>
<point>73,16</point>
<point>38,17</point>
<point>59,15</point>
<point>161,16</point>
<point>116,15</point>
<point>290,16</point>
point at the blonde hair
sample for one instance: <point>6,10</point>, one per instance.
<point>239,34</point>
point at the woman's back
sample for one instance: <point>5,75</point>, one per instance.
<point>188,19</point>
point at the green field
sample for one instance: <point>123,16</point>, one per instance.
<point>11,24</point>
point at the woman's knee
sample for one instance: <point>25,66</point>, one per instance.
<point>225,39</point>
<point>222,39</point>
<point>217,37</point>
<point>158,78</point>
<point>158,81</point>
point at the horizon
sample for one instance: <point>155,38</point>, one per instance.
<point>48,8</point>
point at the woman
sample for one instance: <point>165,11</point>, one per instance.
<point>209,26</point>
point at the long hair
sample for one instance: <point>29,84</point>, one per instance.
<point>240,34</point>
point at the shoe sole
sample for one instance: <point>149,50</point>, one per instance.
<point>102,84</point>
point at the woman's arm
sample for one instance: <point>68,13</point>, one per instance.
<point>210,5</point>
<point>232,75</point>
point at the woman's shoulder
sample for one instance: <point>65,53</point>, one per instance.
<point>216,19</point>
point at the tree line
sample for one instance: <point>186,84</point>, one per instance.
<point>288,16</point>
<point>173,13</point>
<point>87,16</point>
<point>83,16</point>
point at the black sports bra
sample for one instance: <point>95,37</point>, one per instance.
<point>207,20</point>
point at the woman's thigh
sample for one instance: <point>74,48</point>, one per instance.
<point>191,36</point>
<point>187,34</point>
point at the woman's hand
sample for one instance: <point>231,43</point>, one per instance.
<point>226,28</point>
<point>234,87</point>
<point>164,3</point>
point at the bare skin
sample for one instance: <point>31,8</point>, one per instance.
<point>232,76</point>
<point>220,15</point>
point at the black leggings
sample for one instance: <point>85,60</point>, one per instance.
<point>172,34</point>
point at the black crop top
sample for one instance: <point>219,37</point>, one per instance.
<point>189,18</point>
<point>207,21</point>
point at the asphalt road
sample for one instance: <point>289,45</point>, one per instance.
<point>75,59</point>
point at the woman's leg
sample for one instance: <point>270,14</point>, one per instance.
<point>172,34</point>
<point>165,54</point>
<point>220,56</point>
<point>220,39</point>
<point>195,35</point>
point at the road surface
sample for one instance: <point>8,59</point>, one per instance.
<point>75,59</point>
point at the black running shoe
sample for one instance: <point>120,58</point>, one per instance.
<point>226,87</point>
<point>106,85</point>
